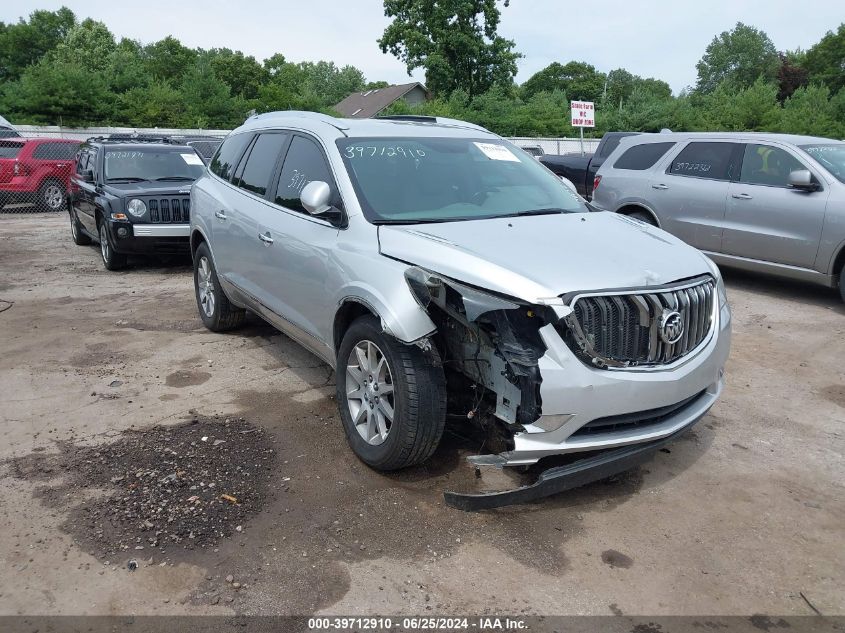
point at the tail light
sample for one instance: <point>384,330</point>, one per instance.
<point>596,182</point>
<point>20,169</point>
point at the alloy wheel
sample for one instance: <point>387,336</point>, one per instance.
<point>205,287</point>
<point>369,392</point>
<point>53,197</point>
<point>104,242</point>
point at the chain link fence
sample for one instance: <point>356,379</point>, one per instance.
<point>36,167</point>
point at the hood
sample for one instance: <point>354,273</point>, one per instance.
<point>540,257</point>
<point>140,189</point>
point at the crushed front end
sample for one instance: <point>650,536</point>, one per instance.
<point>612,375</point>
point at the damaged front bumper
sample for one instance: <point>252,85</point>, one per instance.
<point>562,478</point>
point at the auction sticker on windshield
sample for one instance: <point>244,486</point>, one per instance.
<point>191,159</point>
<point>497,152</point>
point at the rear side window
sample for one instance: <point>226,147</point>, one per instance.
<point>712,160</point>
<point>261,162</point>
<point>304,163</point>
<point>224,161</point>
<point>642,156</point>
<point>55,151</point>
<point>10,150</point>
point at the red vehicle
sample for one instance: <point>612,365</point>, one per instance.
<point>36,170</point>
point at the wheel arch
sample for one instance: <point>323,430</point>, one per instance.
<point>838,262</point>
<point>404,320</point>
<point>197,238</point>
<point>632,207</point>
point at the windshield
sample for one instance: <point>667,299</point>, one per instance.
<point>411,180</point>
<point>153,164</point>
<point>830,156</point>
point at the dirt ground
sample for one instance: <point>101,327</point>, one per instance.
<point>743,515</point>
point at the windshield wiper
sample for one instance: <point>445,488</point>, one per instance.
<point>174,178</point>
<point>127,179</point>
<point>434,221</point>
<point>549,211</point>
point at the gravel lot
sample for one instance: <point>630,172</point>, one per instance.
<point>743,515</point>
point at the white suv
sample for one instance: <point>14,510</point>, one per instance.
<point>440,269</point>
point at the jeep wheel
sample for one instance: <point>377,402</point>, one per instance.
<point>218,314</point>
<point>111,260</point>
<point>392,397</point>
<point>79,238</point>
<point>51,196</point>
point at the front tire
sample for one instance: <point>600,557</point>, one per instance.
<point>392,397</point>
<point>218,314</point>
<point>51,196</point>
<point>111,259</point>
<point>79,238</point>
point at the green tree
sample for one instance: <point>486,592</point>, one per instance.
<point>811,111</point>
<point>579,80</point>
<point>741,56</point>
<point>155,105</point>
<point>455,41</point>
<point>825,61</point>
<point>87,46</point>
<point>241,73</point>
<point>26,42</point>
<point>53,93</point>
<point>328,83</point>
<point>169,60</point>
<point>207,100</point>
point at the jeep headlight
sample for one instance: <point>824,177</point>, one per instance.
<point>136,207</point>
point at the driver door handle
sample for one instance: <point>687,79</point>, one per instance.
<point>265,237</point>
<point>220,215</point>
<point>741,196</point>
<point>661,186</point>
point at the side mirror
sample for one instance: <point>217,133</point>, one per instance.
<point>87,176</point>
<point>802,179</point>
<point>315,197</point>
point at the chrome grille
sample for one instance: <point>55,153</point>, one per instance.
<point>636,328</point>
<point>170,210</point>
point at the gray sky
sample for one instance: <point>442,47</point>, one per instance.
<point>662,39</point>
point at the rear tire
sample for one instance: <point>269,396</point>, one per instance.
<point>218,314</point>
<point>397,394</point>
<point>79,238</point>
<point>111,259</point>
<point>52,197</point>
<point>643,216</point>
<point>842,282</point>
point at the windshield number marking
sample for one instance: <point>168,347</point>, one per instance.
<point>389,151</point>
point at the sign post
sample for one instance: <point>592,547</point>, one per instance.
<point>582,114</point>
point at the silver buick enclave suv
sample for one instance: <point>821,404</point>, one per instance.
<point>445,273</point>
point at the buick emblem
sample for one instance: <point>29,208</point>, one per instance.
<point>671,327</point>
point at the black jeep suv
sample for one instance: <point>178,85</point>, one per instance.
<point>132,195</point>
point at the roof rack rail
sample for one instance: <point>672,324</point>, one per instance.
<point>302,114</point>
<point>418,118</point>
<point>133,138</point>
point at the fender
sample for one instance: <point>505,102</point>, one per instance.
<point>401,316</point>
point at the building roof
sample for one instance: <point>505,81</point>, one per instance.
<point>363,105</point>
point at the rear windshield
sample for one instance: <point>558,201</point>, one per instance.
<point>416,180</point>
<point>153,164</point>
<point>830,156</point>
<point>10,150</point>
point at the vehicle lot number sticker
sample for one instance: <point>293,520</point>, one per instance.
<point>191,159</point>
<point>497,152</point>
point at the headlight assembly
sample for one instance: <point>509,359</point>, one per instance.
<point>136,207</point>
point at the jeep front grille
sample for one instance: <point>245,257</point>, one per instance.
<point>170,210</point>
<point>651,327</point>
